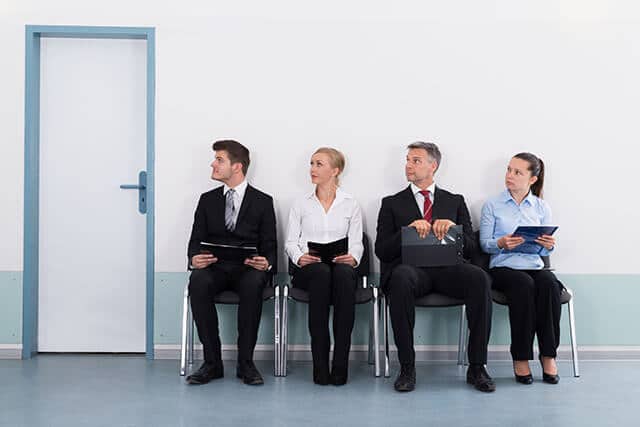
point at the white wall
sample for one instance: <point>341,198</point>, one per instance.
<point>484,80</point>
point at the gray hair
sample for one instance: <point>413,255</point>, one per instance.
<point>432,150</point>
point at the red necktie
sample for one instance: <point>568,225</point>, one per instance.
<point>427,205</point>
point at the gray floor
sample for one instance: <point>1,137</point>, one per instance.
<point>66,390</point>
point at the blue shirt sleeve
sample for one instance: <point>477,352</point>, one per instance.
<point>487,226</point>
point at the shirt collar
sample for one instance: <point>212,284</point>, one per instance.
<point>240,189</point>
<point>530,198</point>
<point>432,188</point>
<point>340,195</point>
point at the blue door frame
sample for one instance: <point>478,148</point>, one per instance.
<point>34,33</point>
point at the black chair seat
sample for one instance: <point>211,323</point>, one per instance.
<point>438,300</point>
<point>362,295</point>
<point>500,298</point>
<point>230,297</point>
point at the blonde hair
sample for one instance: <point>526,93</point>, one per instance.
<point>336,159</point>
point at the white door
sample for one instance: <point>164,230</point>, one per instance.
<point>92,236</point>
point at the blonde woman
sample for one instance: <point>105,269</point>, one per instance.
<point>325,215</point>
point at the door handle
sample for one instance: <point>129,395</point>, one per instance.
<point>141,186</point>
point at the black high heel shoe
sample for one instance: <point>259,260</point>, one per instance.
<point>548,378</point>
<point>522,379</point>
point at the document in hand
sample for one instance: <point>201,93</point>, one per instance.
<point>328,251</point>
<point>233,254</point>
<point>431,252</point>
<point>530,233</point>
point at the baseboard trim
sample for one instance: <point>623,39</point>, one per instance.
<point>423,352</point>
<point>10,351</point>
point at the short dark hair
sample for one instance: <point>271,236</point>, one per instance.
<point>237,152</point>
<point>432,150</point>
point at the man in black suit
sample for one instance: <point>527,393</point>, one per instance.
<point>428,208</point>
<point>238,214</point>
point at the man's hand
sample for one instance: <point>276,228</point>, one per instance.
<point>422,227</point>
<point>509,242</point>
<point>440,227</point>
<point>546,241</point>
<point>345,259</point>
<point>203,261</point>
<point>260,263</point>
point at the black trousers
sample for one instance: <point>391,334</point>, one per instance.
<point>205,284</point>
<point>329,285</point>
<point>534,309</point>
<point>464,281</point>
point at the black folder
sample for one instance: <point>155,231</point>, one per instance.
<point>431,252</point>
<point>232,254</point>
<point>328,251</point>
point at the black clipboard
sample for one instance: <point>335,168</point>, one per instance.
<point>232,254</point>
<point>328,251</point>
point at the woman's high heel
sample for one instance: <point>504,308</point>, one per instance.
<point>522,379</point>
<point>548,378</point>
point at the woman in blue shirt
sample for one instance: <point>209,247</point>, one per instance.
<point>533,294</point>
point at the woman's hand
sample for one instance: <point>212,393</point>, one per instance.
<point>546,241</point>
<point>307,259</point>
<point>345,259</point>
<point>509,242</point>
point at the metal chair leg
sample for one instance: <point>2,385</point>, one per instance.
<point>190,339</point>
<point>372,315</point>
<point>276,335</point>
<point>285,331</point>
<point>376,332</point>
<point>572,333</point>
<point>385,327</point>
<point>461,336</point>
<point>183,343</point>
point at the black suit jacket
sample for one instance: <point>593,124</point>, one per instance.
<point>256,223</point>
<point>401,210</point>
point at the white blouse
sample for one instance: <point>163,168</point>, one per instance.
<point>309,222</point>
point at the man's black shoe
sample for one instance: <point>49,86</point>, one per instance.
<point>249,374</point>
<point>207,372</point>
<point>406,381</point>
<point>478,376</point>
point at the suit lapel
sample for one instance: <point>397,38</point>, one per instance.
<point>410,201</point>
<point>246,201</point>
<point>440,200</point>
<point>219,207</point>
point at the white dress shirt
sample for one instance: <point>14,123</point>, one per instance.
<point>309,222</point>
<point>420,198</point>
<point>238,196</point>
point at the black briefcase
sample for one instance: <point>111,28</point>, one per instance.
<point>431,252</point>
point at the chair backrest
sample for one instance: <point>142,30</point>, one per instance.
<point>363,267</point>
<point>480,258</point>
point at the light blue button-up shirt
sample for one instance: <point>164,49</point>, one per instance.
<point>501,215</point>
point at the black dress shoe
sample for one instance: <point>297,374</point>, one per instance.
<point>338,375</point>
<point>523,379</point>
<point>406,381</point>
<point>478,376</point>
<point>248,373</point>
<point>207,372</point>
<point>548,378</point>
<point>321,374</point>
